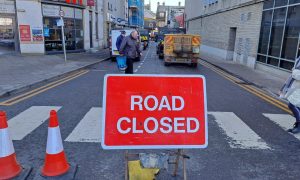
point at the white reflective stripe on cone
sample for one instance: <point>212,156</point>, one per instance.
<point>54,142</point>
<point>6,145</point>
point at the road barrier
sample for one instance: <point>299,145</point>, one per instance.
<point>55,164</point>
<point>9,166</point>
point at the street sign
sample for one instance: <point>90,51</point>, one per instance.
<point>154,112</point>
<point>61,13</point>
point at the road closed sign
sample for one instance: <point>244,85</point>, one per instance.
<point>154,112</point>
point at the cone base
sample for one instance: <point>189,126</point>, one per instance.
<point>55,165</point>
<point>70,175</point>
<point>9,166</point>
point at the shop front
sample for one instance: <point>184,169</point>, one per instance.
<point>7,27</point>
<point>73,27</point>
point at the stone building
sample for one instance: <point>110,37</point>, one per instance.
<point>259,34</point>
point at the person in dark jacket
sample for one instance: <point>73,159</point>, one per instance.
<point>130,48</point>
<point>120,39</point>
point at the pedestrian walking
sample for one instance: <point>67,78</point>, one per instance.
<point>291,91</point>
<point>131,49</point>
<point>120,39</point>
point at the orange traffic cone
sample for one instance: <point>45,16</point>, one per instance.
<point>55,161</point>
<point>9,167</point>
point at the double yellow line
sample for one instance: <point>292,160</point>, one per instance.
<point>44,88</point>
<point>258,92</point>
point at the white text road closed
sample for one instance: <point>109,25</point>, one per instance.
<point>154,112</point>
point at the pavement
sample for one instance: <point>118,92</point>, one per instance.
<point>271,83</point>
<point>20,72</point>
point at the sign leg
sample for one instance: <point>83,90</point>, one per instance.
<point>126,165</point>
<point>184,166</point>
<point>177,162</point>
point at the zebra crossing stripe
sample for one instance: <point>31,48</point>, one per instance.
<point>88,129</point>
<point>240,135</point>
<point>285,121</point>
<point>27,121</point>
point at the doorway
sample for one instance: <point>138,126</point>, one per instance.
<point>91,29</point>
<point>231,43</point>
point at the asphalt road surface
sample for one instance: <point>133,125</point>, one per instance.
<point>247,134</point>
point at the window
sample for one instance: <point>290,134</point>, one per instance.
<point>280,3</point>
<point>272,61</point>
<point>261,58</point>
<point>73,32</point>
<point>161,15</point>
<point>277,31</point>
<point>294,1</point>
<point>268,4</point>
<point>265,32</point>
<point>291,36</point>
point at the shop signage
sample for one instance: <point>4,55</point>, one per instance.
<point>25,33</point>
<point>78,14</point>
<point>113,19</point>
<point>46,32</point>
<point>90,2</point>
<point>7,6</point>
<point>68,12</point>
<point>166,112</point>
<point>37,35</point>
<point>50,10</point>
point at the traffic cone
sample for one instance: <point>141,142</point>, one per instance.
<point>55,161</point>
<point>9,167</point>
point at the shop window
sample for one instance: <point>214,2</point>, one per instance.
<point>292,32</point>
<point>280,3</point>
<point>73,27</point>
<point>286,65</point>
<point>294,1</point>
<point>265,32</point>
<point>277,31</point>
<point>268,4</point>
<point>273,61</point>
<point>261,58</point>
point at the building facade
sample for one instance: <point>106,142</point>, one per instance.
<point>116,14</point>
<point>34,27</point>
<point>149,18</point>
<point>251,32</point>
<point>168,16</point>
<point>136,13</point>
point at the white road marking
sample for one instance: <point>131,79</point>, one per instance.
<point>89,128</point>
<point>240,135</point>
<point>139,67</point>
<point>27,121</point>
<point>136,71</point>
<point>285,121</point>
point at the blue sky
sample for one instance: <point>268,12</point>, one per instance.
<point>168,2</point>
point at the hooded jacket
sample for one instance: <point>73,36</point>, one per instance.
<point>130,47</point>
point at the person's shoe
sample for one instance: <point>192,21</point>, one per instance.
<point>295,129</point>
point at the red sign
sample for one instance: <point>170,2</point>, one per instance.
<point>25,33</point>
<point>154,112</point>
<point>90,3</point>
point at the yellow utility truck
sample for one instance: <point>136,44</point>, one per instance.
<point>182,48</point>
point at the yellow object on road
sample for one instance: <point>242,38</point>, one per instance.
<point>137,172</point>
<point>182,48</point>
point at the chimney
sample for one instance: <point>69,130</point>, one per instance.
<point>179,3</point>
<point>164,3</point>
<point>158,3</point>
